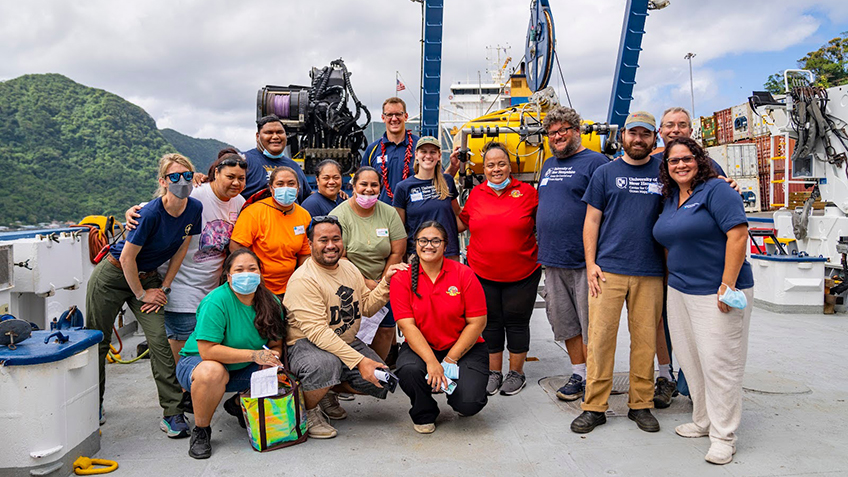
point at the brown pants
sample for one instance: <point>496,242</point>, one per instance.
<point>643,296</point>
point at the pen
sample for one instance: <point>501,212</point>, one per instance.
<point>278,359</point>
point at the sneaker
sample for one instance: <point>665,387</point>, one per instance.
<point>200,446</point>
<point>346,396</point>
<point>664,392</point>
<point>319,427</point>
<point>720,453</point>
<point>233,408</point>
<point>690,429</point>
<point>513,383</point>
<point>331,407</point>
<point>587,421</point>
<point>186,403</point>
<point>175,426</point>
<point>424,428</point>
<point>494,384</point>
<point>573,389</point>
<point>644,419</point>
<point>102,415</point>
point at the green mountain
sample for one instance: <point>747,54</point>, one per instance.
<point>202,152</point>
<point>68,150</point>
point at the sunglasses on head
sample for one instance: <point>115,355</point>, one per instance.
<point>232,162</point>
<point>325,219</point>
<point>175,176</point>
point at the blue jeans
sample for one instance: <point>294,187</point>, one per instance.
<point>179,326</point>
<point>239,378</point>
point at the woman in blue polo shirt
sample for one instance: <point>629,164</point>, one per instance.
<point>429,195</point>
<point>704,230</point>
<point>128,275</point>
<point>328,176</point>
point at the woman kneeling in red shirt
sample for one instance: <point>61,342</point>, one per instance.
<point>441,310</point>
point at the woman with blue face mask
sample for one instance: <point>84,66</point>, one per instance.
<point>128,275</point>
<point>500,215</point>
<point>240,327</point>
<point>710,285</point>
<point>274,228</point>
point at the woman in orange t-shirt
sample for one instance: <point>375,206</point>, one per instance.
<point>275,230</point>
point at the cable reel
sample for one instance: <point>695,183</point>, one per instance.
<point>539,51</point>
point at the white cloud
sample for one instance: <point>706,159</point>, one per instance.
<point>195,65</point>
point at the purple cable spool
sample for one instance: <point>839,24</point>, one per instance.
<point>282,104</point>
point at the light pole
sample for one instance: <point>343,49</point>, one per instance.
<point>689,57</point>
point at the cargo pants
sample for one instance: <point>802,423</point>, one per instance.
<point>107,292</point>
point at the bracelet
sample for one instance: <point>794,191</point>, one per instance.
<point>451,359</point>
<point>143,294</point>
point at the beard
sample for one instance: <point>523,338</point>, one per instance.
<point>630,148</point>
<point>567,150</point>
<point>320,258</point>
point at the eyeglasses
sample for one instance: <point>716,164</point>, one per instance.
<point>560,132</point>
<point>232,162</point>
<point>394,115</point>
<point>680,125</point>
<point>673,161</point>
<point>175,176</point>
<point>422,242</point>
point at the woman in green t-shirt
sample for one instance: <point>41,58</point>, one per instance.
<point>240,327</point>
<point>374,239</point>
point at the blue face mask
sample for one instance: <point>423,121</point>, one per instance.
<point>245,283</point>
<point>285,195</point>
<point>271,156</point>
<point>451,370</point>
<point>500,186</point>
<point>733,298</point>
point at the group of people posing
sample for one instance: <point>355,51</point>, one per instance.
<point>228,271</point>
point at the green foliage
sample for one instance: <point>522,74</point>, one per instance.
<point>202,152</point>
<point>829,64</point>
<point>67,151</point>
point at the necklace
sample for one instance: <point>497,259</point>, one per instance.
<point>384,169</point>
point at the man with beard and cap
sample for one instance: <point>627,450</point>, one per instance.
<point>268,155</point>
<point>623,264</point>
<point>559,226</point>
<point>325,301</point>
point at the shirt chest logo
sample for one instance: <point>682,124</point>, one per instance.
<point>691,206</point>
<point>453,291</point>
<point>187,231</point>
<point>621,182</point>
<point>515,194</point>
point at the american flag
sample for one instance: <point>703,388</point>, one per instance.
<point>400,85</point>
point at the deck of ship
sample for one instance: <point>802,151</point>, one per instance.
<point>794,420</point>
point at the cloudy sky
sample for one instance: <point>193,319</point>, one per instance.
<point>196,66</point>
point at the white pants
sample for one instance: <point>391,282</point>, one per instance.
<point>711,349</point>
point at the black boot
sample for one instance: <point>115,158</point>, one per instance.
<point>200,446</point>
<point>644,419</point>
<point>232,407</point>
<point>587,421</point>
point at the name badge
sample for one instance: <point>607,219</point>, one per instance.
<point>381,159</point>
<point>654,189</point>
<point>416,196</point>
<point>544,182</point>
<point>298,230</point>
<point>382,232</point>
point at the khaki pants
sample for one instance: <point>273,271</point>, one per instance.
<point>106,294</point>
<point>643,296</point>
<point>711,347</point>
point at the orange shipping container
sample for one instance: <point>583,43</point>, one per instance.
<point>724,126</point>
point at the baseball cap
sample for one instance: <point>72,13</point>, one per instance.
<point>427,140</point>
<point>640,119</point>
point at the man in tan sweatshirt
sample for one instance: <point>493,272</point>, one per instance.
<point>325,299</point>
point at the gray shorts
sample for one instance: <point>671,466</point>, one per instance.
<point>319,369</point>
<point>566,297</point>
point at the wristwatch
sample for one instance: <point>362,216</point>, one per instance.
<point>167,290</point>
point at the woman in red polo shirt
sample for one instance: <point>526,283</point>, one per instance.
<point>440,307</point>
<point>501,218</point>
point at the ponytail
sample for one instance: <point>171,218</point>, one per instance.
<point>414,271</point>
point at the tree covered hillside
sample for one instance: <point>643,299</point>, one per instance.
<point>67,151</point>
<point>202,152</point>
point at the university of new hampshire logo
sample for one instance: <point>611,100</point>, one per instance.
<point>621,182</point>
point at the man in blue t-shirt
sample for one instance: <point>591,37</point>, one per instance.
<point>393,155</point>
<point>269,154</point>
<point>623,264</point>
<point>559,227</point>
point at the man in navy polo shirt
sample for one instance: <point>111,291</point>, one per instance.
<point>623,264</point>
<point>393,155</point>
<point>559,226</point>
<point>268,155</point>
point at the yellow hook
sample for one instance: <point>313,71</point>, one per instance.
<point>85,466</point>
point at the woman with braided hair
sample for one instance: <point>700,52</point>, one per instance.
<point>440,307</point>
